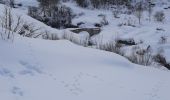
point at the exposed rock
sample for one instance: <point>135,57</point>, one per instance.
<point>91,31</point>
<point>127,42</point>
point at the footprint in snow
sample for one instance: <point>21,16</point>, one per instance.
<point>5,72</point>
<point>30,68</point>
<point>26,72</point>
<point>94,76</point>
<point>73,87</point>
<point>17,91</point>
<point>154,94</point>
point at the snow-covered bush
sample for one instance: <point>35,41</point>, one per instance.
<point>59,16</point>
<point>11,23</point>
<point>10,3</point>
<point>128,22</point>
<point>116,13</point>
<point>141,56</point>
<point>104,21</point>
<point>160,59</point>
<point>51,13</point>
<point>33,12</point>
<point>83,3</point>
<point>112,46</point>
<point>150,9</point>
<point>7,25</point>
<point>50,36</point>
<point>47,5</point>
<point>80,39</point>
<point>29,30</point>
<point>139,11</point>
<point>159,16</point>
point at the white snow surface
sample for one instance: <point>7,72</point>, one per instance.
<point>34,69</point>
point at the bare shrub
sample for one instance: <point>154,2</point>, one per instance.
<point>47,6</point>
<point>83,3</point>
<point>112,47</point>
<point>6,22</point>
<point>97,41</point>
<point>150,9</point>
<point>84,41</point>
<point>163,40</point>
<point>52,14</point>
<point>33,12</point>
<point>141,56</point>
<point>101,3</point>
<point>18,23</point>
<point>29,30</point>
<point>50,36</point>
<point>116,13</point>
<point>78,15</point>
<point>104,21</point>
<point>159,58</point>
<point>140,42</point>
<point>129,21</point>
<point>14,24</point>
<point>159,16</point>
<point>139,11</point>
<point>10,3</point>
<point>61,17</point>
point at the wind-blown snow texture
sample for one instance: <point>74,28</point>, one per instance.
<point>35,69</point>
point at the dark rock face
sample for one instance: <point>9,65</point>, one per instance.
<point>91,31</point>
<point>127,42</point>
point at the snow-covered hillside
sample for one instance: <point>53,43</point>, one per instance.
<point>39,69</point>
<point>146,32</point>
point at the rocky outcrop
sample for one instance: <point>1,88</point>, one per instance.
<point>91,31</point>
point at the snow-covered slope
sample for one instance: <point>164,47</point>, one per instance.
<point>36,69</point>
<point>33,69</point>
<point>146,31</point>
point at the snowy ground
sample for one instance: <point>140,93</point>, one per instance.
<point>42,70</point>
<point>36,69</point>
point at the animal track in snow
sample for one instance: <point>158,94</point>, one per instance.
<point>30,68</point>
<point>17,91</point>
<point>154,94</point>
<point>5,72</point>
<point>75,85</point>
